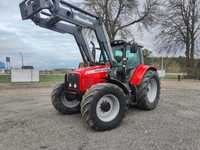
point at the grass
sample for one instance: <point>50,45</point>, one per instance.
<point>51,79</point>
<point>5,78</point>
<point>44,79</point>
<point>172,77</point>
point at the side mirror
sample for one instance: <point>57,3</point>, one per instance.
<point>134,48</point>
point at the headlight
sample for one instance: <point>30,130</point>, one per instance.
<point>70,85</point>
<point>75,85</point>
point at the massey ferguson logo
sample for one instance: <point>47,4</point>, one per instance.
<point>97,71</point>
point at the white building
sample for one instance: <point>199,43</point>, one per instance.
<point>25,75</point>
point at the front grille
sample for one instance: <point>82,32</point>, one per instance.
<point>73,81</point>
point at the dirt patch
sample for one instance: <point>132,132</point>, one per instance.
<point>29,122</point>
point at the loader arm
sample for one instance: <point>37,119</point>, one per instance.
<point>62,17</point>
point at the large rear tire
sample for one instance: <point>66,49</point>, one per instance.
<point>149,91</point>
<point>63,103</point>
<point>103,106</point>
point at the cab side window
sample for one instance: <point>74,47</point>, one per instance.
<point>118,55</point>
<point>133,59</point>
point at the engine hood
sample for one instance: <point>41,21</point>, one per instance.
<point>92,70</point>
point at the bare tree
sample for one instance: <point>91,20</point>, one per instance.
<point>120,14</point>
<point>180,29</point>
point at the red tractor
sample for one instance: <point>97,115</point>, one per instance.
<point>113,75</point>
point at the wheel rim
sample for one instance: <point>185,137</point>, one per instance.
<point>70,103</point>
<point>152,90</point>
<point>108,108</point>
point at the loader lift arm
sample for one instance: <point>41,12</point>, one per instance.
<point>62,17</point>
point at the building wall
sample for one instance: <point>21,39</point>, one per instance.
<point>24,75</point>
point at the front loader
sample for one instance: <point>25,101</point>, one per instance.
<point>106,84</point>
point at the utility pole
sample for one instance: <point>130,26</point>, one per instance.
<point>22,58</point>
<point>8,63</point>
<point>162,64</point>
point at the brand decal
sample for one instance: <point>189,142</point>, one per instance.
<point>97,71</point>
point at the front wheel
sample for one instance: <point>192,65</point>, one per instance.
<point>103,106</point>
<point>63,102</point>
<point>149,91</point>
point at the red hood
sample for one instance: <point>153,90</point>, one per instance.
<point>86,70</point>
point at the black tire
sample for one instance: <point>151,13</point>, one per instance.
<point>60,101</point>
<point>143,101</point>
<point>90,101</point>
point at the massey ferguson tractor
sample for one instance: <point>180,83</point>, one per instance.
<point>106,84</point>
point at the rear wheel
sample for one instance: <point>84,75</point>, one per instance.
<point>149,91</point>
<point>64,103</point>
<point>103,106</point>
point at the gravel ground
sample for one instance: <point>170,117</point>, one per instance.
<point>29,122</point>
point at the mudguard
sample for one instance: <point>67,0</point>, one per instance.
<point>139,73</point>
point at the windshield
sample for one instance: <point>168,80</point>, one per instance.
<point>133,59</point>
<point>100,56</point>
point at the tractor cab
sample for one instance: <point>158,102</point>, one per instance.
<point>128,56</point>
<point>127,53</point>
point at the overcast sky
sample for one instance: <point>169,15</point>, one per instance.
<point>40,47</point>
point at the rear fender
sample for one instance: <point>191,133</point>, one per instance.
<point>139,74</point>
